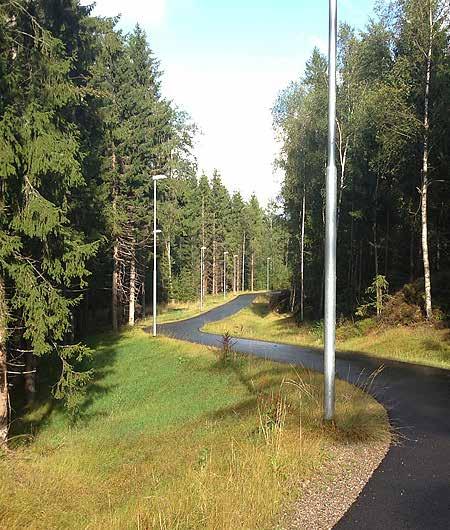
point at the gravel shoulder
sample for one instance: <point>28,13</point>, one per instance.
<point>325,498</point>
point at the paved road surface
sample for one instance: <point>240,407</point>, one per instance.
<point>411,488</point>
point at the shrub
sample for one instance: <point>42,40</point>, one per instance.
<point>226,351</point>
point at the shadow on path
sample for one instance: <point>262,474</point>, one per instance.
<point>411,488</point>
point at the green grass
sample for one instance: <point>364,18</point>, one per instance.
<point>182,310</point>
<point>421,344</point>
<point>171,437</point>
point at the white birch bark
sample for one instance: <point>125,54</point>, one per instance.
<point>4,394</point>
<point>425,181</point>
<point>302,257</point>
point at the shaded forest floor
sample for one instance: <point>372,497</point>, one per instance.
<point>175,435</point>
<point>421,344</point>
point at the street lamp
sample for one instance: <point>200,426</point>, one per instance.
<point>330,225</point>
<point>155,179</point>
<point>225,254</point>
<point>234,272</point>
<point>268,272</point>
<point>202,258</point>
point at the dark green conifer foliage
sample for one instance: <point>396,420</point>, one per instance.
<point>43,256</point>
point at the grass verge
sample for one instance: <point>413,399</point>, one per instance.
<point>420,344</point>
<point>174,311</point>
<point>172,436</point>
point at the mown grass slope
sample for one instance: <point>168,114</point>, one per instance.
<point>171,436</point>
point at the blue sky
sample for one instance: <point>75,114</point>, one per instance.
<point>225,61</point>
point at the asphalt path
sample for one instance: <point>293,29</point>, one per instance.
<point>411,487</point>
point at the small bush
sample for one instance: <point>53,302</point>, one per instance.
<point>226,351</point>
<point>402,308</point>
<point>317,330</point>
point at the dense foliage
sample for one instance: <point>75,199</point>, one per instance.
<point>84,127</point>
<point>393,156</point>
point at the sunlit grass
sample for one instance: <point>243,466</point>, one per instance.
<point>421,344</point>
<point>170,437</point>
<point>181,310</point>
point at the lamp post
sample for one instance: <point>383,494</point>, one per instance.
<point>268,273</point>
<point>243,265</point>
<point>202,258</point>
<point>155,232</point>
<point>234,272</point>
<point>330,225</point>
<point>225,254</point>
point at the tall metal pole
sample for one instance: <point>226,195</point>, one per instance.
<point>155,179</point>
<point>234,273</point>
<point>268,274</point>
<point>225,254</point>
<point>330,225</point>
<point>243,265</point>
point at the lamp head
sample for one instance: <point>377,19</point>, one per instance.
<point>159,177</point>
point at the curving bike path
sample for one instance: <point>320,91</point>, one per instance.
<point>411,487</point>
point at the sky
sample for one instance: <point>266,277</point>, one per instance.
<point>224,62</point>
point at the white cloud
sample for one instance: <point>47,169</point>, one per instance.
<point>232,106</point>
<point>149,13</point>
<point>229,98</point>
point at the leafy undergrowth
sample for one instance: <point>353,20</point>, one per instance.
<point>422,344</point>
<point>181,310</point>
<point>176,436</point>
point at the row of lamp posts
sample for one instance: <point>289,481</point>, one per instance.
<point>202,263</point>
<point>330,233</point>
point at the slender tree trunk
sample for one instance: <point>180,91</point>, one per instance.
<point>375,249</point>
<point>386,248</point>
<point>238,273</point>
<point>30,377</point>
<point>353,260</point>
<point>243,263</point>
<point>360,267</point>
<point>4,394</point>
<point>343,148</point>
<point>214,269</point>
<point>144,305</point>
<point>293,297</point>
<point>425,181</point>
<point>438,238</point>
<point>411,251</point>
<point>169,265</point>
<point>132,299</point>
<point>302,256</point>
<point>115,274</point>
<point>204,276</point>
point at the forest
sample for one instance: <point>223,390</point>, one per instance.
<point>84,126</point>
<point>393,162</point>
<point>219,420</point>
